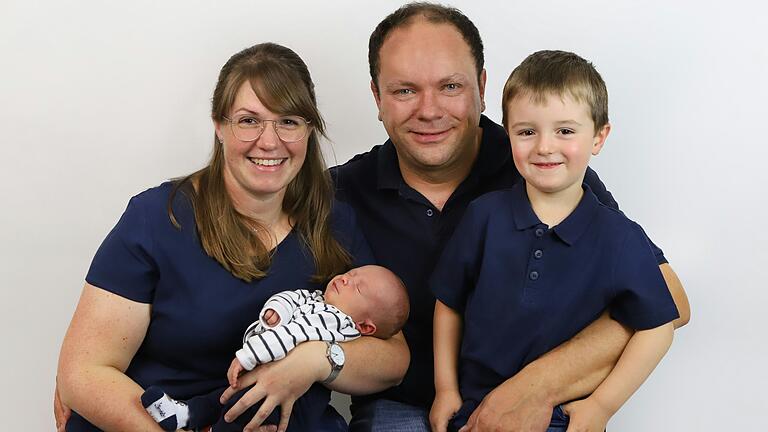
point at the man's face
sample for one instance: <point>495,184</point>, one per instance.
<point>429,97</point>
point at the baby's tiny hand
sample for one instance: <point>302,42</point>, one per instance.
<point>586,416</point>
<point>235,369</point>
<point>271,317</point>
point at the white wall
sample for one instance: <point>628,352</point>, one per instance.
<point>100,100</point>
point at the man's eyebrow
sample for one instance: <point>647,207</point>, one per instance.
<point>460,77</point>
<point>398,84</point>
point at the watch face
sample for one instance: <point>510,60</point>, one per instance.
<point>337,354</point>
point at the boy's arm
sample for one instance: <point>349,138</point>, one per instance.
<point>643,352</point>
<point>447,338</point>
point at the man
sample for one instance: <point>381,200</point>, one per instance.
<point>428,81</point>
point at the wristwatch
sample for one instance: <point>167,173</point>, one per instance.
<point>335,355</point>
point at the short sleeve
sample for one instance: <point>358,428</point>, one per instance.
<point>456,272</point>
<point>123,263</point>
<point>642,299</point>
<point>604,196</point>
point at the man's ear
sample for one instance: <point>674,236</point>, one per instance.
<point>366,327</point>
<point>481,88</point>
<point>376,96</point>
<point>600,138</point>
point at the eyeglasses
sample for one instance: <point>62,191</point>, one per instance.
<point>288,128</point>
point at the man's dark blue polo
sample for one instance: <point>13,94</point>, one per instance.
<point>523,288</point>
<point>407,234</point>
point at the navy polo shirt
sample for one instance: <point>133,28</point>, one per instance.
<point>524,288</point>
<point>407,233</point>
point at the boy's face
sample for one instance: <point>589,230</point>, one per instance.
<point>553,141</point>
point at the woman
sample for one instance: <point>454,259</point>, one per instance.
<point>189,264</point>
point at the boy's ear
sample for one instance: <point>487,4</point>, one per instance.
<point>366,327</point>
<point>600,138</point>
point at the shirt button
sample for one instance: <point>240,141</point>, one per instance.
<point>538,253</point>
<point>430,212</point>
<point>533,275</point>
<point>539,232</point>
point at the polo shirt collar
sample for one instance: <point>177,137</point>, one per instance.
<point>570,229</point>
<point>388,170</point>
<point>494,150</point>
<point>493,154</point>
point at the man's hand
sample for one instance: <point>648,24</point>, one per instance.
<point>513,406</point>
<point>446,404</point>
<point>235,370</point>
<point>586,416</point>
<point>271,317</point>
<point>278,383</point>
<point>60,412</point>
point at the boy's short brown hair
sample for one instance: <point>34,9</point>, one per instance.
<point>561,73</point>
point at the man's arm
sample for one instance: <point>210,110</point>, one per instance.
<point>678,295</point>
<point>641,355</point>
<point>573,369</point>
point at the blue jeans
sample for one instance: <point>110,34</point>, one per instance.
<point>384,415</point>
<point>559,421</point>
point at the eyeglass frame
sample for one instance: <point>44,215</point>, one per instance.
<point>274,126</point>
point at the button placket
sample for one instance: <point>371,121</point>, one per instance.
<point>534,270</point>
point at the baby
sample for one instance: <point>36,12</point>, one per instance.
<point>368,300</point>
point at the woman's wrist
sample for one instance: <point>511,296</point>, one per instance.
<point>316,359</point>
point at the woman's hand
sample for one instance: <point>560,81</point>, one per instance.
<point>279,383</point>
<point>586,416</point>
<point>446,403</point>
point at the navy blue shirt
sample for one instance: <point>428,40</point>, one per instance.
<point>407,233</point>
<point>524,288</point>
<point>199,310</point>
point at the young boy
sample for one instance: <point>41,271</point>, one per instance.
<point>529,267</point>
<point>368,300</point>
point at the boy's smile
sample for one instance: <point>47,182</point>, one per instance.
<point>552,141</point>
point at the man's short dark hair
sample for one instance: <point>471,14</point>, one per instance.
<point>434,13</point>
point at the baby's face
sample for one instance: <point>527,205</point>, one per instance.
<point>354,292</point>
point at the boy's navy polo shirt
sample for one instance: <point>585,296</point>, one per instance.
<point>524,288</point>
<point>407,233</point>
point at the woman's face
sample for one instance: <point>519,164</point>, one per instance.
<point>260,169</point>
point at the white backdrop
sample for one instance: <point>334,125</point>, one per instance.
<point>100,100</point>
